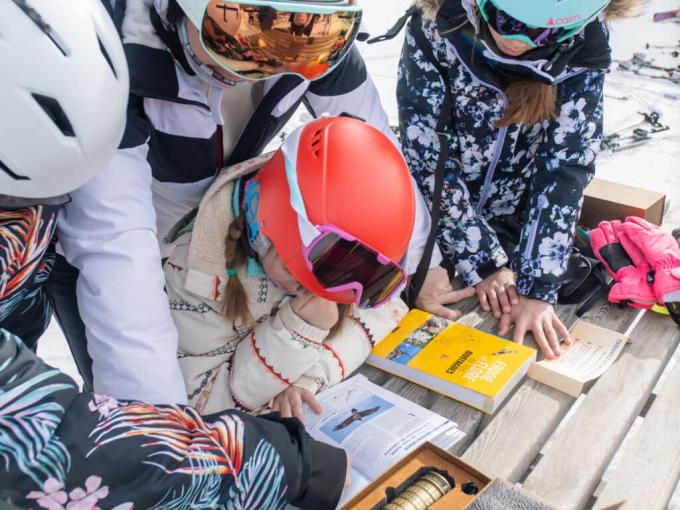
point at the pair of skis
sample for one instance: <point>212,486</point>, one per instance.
<point>634,135</point>
<point>640,62</point>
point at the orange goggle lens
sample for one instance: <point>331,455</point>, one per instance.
<point>258,41</point>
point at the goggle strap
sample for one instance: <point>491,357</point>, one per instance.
<point>308,232</point>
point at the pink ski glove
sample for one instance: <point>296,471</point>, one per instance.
<point>662,253</point>
<point>625,263</point>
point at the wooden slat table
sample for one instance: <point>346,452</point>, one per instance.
<point>522,443</point>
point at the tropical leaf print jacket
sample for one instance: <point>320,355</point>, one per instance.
<point>531,174</point>
<point>26,259</point>
<point>60,449</point>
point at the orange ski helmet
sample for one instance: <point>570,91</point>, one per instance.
<point>342,177</point>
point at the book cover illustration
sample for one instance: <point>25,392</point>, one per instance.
<point>447,357</point>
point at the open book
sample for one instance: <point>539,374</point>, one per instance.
<point>376,427</point>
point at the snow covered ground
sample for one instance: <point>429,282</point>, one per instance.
<point>654,166</point>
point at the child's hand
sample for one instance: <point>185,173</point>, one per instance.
<point>498,292</point>
<point>289,402</point>
<point>540,318</point>
<point>314,310</point>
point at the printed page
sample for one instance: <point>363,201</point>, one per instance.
<point>594,350</point>
<point>357,482</point>
<point>375,426</point>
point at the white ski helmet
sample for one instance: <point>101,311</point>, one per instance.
<point>63,95</point>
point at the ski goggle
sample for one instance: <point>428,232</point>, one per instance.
<point>343,264</point>
<point>340,262</point>
<point>256,41</point>
<point>511,28</point>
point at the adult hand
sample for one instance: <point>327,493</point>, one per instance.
<point>497,292</point>
<point>289,402</point>
<point>314,310</point>
<point>540,318</point>
<point>437,292</point>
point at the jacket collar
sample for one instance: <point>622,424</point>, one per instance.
<point>457,23</point>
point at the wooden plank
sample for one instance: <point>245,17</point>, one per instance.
<point>509,444</point>
<point>567,315</point>
<point>571,469</point>
<point>649,468</point>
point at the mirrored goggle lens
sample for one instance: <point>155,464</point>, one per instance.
<point>337,261</point>
<point>506,26</point>
<point>256,41</point>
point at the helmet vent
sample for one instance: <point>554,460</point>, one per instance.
<point>42,25</point>
<point>316,143</point>
<point>107,57</point>
<point>55,112</point>
<point>13,175</point>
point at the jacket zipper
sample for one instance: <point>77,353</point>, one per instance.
<point>534,229</point>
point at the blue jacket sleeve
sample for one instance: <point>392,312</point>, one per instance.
<point>564,165</point>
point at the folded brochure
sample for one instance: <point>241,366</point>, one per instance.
<point>593,351</point>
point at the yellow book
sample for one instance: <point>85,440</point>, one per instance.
<point>458,361</point>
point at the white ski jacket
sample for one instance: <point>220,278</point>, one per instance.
<point>169,155</point>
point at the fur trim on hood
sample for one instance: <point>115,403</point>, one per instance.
<point>616,9</point>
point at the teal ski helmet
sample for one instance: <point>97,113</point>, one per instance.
<point>569,17</point>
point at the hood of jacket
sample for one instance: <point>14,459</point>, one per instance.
<point>215,214</point>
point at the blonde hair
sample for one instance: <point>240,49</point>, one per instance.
<point>236,255</point>
<point>529,102</point>
<point>235,297</point>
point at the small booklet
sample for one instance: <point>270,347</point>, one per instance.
<point>376,427</point>
<point>476,368</point>
<point>594,350</point>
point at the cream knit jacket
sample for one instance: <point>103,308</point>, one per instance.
<point>227,364</point>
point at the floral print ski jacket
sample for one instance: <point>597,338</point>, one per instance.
<point>64,450</point>
<point>533,173</point>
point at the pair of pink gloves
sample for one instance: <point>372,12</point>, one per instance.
<point>643,260</point>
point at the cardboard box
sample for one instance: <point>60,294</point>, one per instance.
<point>606,200</point>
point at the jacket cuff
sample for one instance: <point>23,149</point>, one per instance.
<point>327,477</point>
<point>307,383</point>
<point>294,323</point>
<point>473,272</point>
<point>533,288</point>
<point>315,471</point>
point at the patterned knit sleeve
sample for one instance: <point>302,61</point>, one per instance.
<point>273,356</point>
<point>347,350</point>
